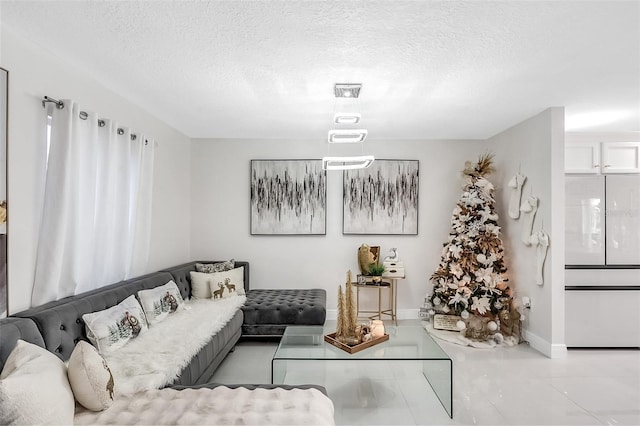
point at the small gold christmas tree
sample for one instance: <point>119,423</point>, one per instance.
<point>340,326</point>
<point>347,320</point>
<point>350,314</point>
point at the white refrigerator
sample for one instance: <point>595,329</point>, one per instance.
<point>602,255</point>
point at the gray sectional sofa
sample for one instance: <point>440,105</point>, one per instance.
<point>58,326</point>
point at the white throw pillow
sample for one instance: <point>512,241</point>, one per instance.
<point>90,378</point>
<point>161,301</point>
<point>112,328</point>
<point>34,388</point>
<point>200,285</point>
<point>227,284</point>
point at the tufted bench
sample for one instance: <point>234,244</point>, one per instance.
<point>268,312</point>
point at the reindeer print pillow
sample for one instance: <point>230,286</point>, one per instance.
<point>227,284</point>
<point>158,303</point>
<point>112,328</point>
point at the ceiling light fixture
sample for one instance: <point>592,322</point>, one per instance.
<point>347,163</point>
<point>347,90</point>
<point>347,136</point>
<point>346,118</point>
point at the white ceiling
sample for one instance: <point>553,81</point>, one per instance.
<point>429,69</point>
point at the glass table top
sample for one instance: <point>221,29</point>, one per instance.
<point>405,343</point>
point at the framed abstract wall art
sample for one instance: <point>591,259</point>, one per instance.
<point>288,197</point>
<point>381,199</point>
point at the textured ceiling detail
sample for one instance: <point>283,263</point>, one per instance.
<point>430,70</point>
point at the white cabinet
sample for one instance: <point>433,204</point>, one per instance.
<point>582,157</point>
<point>621,157</point>
<point>602,157</point>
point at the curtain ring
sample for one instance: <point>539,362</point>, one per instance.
<point>84,115</point>
<point>101,123</point>
<point>120,132</point>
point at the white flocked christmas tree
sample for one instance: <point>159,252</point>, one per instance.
<point>471,279</point>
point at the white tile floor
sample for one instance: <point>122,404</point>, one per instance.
<point>491,386</point>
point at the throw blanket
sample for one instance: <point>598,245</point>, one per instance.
<point>155,358</point>
<point>218,406</point>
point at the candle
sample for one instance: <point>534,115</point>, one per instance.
<point>377,328</point>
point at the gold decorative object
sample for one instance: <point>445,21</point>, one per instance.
<point>351,336</point>
<point>365,258</point>
<point>347,315</point>
<point>340,326</point>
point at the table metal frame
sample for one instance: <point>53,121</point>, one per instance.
<point>389,283</point>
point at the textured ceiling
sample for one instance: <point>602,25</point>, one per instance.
<point>430,69</point>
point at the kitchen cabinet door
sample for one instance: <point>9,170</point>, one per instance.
<point>621,157</point>
<point>582,157</point>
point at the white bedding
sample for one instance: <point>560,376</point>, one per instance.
<point>220,406</point>
<point>156,357</point>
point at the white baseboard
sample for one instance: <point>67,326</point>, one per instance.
<point>550,350</point>
<point>332,314</point>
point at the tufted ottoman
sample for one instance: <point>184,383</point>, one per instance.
<point>269,312</point>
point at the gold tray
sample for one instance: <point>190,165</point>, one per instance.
<point>331,338</point>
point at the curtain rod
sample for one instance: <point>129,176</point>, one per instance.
<point>59,104</point>
<point>84,116</point>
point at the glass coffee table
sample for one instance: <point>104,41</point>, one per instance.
<point>303,347</point>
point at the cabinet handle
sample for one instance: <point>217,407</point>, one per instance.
<point>596,165</point>
<point>607,165</point>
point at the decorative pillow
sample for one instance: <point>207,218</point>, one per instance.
<point>90,378</point>
<point>112,328</point>
<point>200,285</point>
<point>227,284</point>
<point>208,268</point>
<point>34,388</point>
<point>159,302</point>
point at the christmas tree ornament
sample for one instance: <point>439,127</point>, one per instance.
<point>471,280</point>
<point>515,184</point>
<point>529,207</point>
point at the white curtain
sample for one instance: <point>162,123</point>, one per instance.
<point>97,205</point>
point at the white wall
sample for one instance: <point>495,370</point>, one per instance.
<point>220,215</point>
<point>35,72</point>
<point>536,148</point>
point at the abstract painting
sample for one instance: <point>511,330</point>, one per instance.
<point>381,199</point>
<point>288,197</point>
